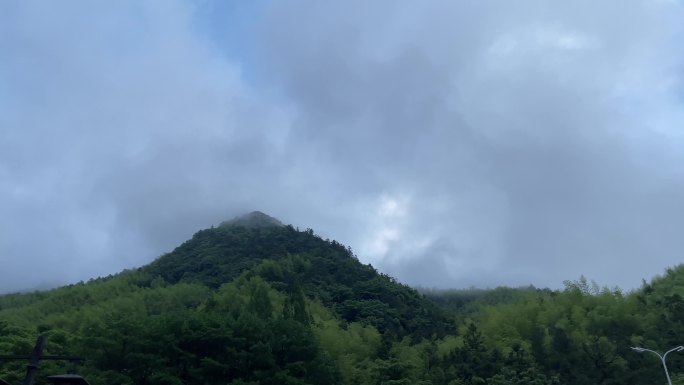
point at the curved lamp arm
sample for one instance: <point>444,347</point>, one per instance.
<point>662,358</point>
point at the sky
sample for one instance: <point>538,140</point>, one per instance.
<point>451,144</point>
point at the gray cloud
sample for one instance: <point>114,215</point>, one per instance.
<point>530,142</point>
<point>124,134</point>
<point>449,143</point>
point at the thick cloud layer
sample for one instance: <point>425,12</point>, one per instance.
<point>123,133</point>
<point>521,142</point>
<point>448,143</point>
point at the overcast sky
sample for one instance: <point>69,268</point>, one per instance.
<point>450,143</point>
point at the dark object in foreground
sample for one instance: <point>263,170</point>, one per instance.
<point>34,360</point>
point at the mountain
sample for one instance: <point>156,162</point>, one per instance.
<point>249,301</point>
<point>284,257</point>
<point>253,301</point>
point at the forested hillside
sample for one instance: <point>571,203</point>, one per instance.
<point>255,302</point>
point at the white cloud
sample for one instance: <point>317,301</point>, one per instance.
<point>386,227</point>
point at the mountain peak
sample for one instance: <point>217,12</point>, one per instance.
<point>255,219</point>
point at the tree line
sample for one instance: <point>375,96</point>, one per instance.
<point>235,305</point>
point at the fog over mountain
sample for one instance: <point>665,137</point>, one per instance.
<point>449,143</point>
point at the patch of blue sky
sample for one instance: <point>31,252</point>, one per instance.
<point>230,26</point>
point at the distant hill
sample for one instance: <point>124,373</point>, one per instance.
<point>255,219</point>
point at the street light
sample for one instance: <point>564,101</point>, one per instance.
<point>662,358</point>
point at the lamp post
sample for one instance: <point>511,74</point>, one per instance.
<point>662,358</point>
<point>34,361</point>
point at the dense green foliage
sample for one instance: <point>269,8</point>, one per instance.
<point>324,270</point>
<point>269,304</point>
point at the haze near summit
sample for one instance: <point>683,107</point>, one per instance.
<point>449,143</point>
